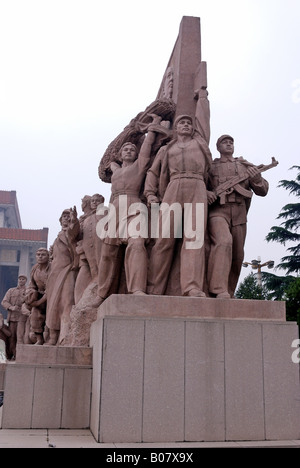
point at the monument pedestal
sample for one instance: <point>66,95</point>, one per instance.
<point>165,369</point>
<point>48,387</point>
<point>169,369</point>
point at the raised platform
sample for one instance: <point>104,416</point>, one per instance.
<point>54,355</point>
<point>125,305</point>
<point>48,387</point>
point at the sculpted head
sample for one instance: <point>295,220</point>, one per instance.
<point>225,145</point>
<point>128,152</point>
<point>85,203</point>
<point>65,218</point>
<point>22,279</point>
<point>96,200</point>
<point>183,125</point>
<point>42,255</point>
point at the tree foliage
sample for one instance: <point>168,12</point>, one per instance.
<point>292,297</point>
<point>249,289</point>
<point>275,288</point>
<point>288,231</point>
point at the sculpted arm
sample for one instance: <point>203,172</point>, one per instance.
<point>211,196</point>
<point>74,227</point>
<point>145,151</point>
<point>258,184</point>
<point>6,302</point>
<point>152,180</point>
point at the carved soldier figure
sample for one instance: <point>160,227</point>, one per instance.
<point>12,302</point>
<point>36,298</point>
<point>227,217</point>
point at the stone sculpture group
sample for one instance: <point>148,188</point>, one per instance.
<point>175,225</point>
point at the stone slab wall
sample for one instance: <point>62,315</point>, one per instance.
<point>167,380</point>
<point>44,396</point>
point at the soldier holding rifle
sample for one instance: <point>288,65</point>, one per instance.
<point>232,182</point>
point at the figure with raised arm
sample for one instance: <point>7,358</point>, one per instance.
<point>126,183</point>
<point>177,178</point>
<point>62,276</point>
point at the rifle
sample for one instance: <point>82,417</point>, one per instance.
<point>233,184</point>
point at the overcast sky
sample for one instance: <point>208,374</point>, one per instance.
<point>75,72</point>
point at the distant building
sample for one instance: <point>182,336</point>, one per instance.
<point>17,246</point>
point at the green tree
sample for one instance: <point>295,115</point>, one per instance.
<point>249,289</point>
<point>292,297</point>
<point>276,286</point>
<point>288,229</point>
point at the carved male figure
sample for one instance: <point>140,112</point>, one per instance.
<point>62,276</point>
<point>127,181</point>
<point>36,298</point>
<point>227,217</point>
<point>83,278</point>
<point>91,243</point>
<point>12,302</point>
<point>178,175</point>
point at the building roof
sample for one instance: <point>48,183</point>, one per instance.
<point>31,235</point>
<point>8,201</point>
<point>8,198</point>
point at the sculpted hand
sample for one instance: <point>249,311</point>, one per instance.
<point>254,174</point>
<point>156,119</point>
<point>211,197</point>
<point>39,302</point>
<point>152,199</point>
<point>73,214</point>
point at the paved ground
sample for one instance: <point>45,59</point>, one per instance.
<point>83,438</point>
<point>60,438</point>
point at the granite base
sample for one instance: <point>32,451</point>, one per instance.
<point>177,377</point>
